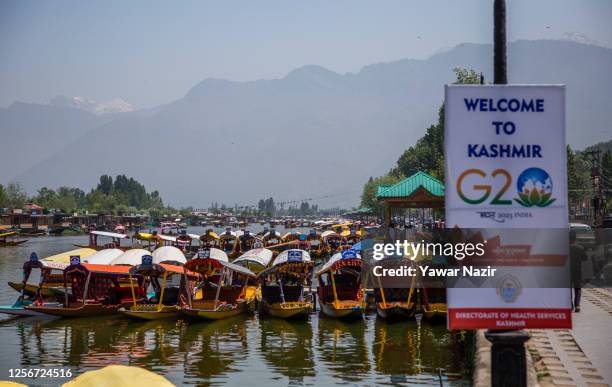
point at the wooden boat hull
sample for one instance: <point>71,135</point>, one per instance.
<point>30,290</point>
<point>435,311</point>
<point>288,310</point>
<point>151,313</point>
<point>204,314</point>
<point>342,311</point>
<point>86,310</point>
<point>12,243</point>
<point>18,311</point>
<point>395,311</point>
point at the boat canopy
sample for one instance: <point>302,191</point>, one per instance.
<point>65,256</point>
<point>130,258</point>
<point>338,260</point>
<point>269,235</point>
<point>209,235</point>
<point>169,254</point>
<point>206,261</point>
<point>155,270</point>
<point>195,237</point>
<point>328,233</point>
<point>146,236</point>
<point>347,232</point>
<point>103,257</point>
<point>109,234</point>
<point>97,269</point>
<point>293,256</point>
<point>42,264</point>
<point>290,234</point>
<point>228,234</point>
<point>5,234</point>
<point>260,257</point>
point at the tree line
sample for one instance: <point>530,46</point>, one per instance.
<point>121,195</point>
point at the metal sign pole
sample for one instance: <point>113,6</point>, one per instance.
<point>508,359</point>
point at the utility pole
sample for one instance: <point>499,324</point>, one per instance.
<point>499,43</point>
<point>508,359</point>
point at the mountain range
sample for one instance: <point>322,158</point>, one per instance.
<point>312,134</point>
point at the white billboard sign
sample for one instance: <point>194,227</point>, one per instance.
<point>506,169</point>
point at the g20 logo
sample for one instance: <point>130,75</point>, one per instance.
<point>534,187</point>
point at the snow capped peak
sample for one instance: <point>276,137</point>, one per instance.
<point>578,37</point>
<point>116,105</point>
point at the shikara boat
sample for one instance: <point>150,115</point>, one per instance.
<point>229,243</point>
<point>210,239</point>
<point>271,238</point>
<point>318,248</point>
<point>54,282</point>
<point>395,301</point>
<point>9,238</point>
<point>246,240</point>
<point>284,285</point>
<point>96,290</point>
<point>340,292</point>
<point>255,260</point>
<point>223,290</point>
<point>31,292</point>
<point>165,303</point>
<point>332,241</point>
<point>433,303</point>
<point>351,236</point>
<point>115,240</point>
<point>291,236</point>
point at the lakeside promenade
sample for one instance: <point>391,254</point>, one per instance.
<point>580,356</point>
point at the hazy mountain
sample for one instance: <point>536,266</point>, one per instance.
<point>30,133</point>
<point>116,105</point>
<point>313,133</point>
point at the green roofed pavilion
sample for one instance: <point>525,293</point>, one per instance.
<point>420,190</point>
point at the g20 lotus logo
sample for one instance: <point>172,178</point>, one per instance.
<point>534,187</point>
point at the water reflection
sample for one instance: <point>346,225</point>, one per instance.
<point>343,349</point>
<point>418,353</point>
<point>287,348</point>
<point>213,348</point>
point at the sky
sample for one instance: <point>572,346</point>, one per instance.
<point>152,52</point>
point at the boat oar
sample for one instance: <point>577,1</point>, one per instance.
<point>161,296</point>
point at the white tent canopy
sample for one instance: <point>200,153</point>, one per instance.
<point>293,255</point>
<point>131,257</point>
<point>167,254</point>
<point>103,257</point>
<point>259,256</point>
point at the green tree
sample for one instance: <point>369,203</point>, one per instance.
<point>16,196</point>
<point>577,177</point>
<point>106,184</point>
<point>3,197</point>
<point>606,172</point>
<point>368,196</point>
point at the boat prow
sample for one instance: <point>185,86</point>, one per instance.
<point>150,312</point>
<point>395,310</point>
<point>82,310</point>
<point>343,309</point>
<point>19,309</point>
<point>297,309</point>
<point>220,312</point>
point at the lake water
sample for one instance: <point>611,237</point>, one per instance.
<point>245,350</point>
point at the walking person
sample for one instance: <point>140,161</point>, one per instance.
<point>577,256</point>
